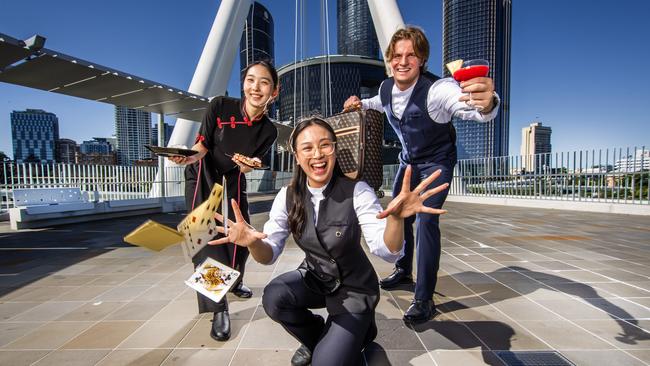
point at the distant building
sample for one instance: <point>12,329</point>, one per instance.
<point>154,133</point>
<point>97,151</point>
<point>634,163</point>
<point>66,151</point>
<point>34,133</point>
<point>535,146</point>
<point>355,30</point>
<point>480,29</point>
<point>133,131</point>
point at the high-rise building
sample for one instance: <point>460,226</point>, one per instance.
<point>133,131</point>
<point>257,39</point>
<point>154,133</point>
<point>356,31</point>
<point>98,145</point>
<point>34,133</point>
<point>535,146</point>
<point>480,29</point>
<point>66,151</point>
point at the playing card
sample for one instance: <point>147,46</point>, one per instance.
<point>213,279</point>
<point>200,226</point>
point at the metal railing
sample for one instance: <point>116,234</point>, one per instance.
<point>614,176</point>
<point>111,182</point>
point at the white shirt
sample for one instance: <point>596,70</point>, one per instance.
<point>442,102</point>
<point>366,205</point>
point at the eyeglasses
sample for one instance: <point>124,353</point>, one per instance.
<point>325,148</point>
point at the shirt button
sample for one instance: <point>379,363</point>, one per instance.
<point>332,261</point>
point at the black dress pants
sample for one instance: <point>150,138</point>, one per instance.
<point>338,341</point>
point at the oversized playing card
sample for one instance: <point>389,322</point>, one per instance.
<point>213,279</point>
<point>200,226</point>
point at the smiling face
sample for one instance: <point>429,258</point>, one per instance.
<point>316,154</point>
<point>405,64</point>
<point>258,90</point>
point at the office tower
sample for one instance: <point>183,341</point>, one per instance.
<point>66,151</point>
<point>133,131</point>
<point>154,133</point>
<point>480,29</point>
<point>257,39</point>
<point>356,31</point>
<point>34,133</point>
<point>535,146</point>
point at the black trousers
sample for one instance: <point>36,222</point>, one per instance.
<point>337,341</point>
<point>427,229</point>
<point>227,253</point>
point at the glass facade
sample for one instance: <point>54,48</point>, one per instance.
<point>34,133</point>
<point>356,31</point>
<point>133,131</point>
<point>480,29</point>
<point>257,39</point>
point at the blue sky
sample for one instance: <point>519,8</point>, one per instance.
<point>577,65</point>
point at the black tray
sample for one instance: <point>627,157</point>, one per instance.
<point>170,151</point>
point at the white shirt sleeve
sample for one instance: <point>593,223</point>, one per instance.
<point>366,205</point>
<point>277,227</point>
<point>443,103</point>
<point>373,103</point>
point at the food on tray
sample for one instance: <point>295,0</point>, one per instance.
<point>251,162</point>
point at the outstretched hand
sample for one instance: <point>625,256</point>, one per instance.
<point>239,232</point>
<point>408,202</point>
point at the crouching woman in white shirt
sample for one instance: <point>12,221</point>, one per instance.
<point>327,213</point>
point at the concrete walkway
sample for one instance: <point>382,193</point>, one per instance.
<point>517,286</point>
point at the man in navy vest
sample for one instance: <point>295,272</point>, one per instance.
<point>419,107</point>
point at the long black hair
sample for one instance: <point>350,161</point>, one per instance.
<point>298,184</point>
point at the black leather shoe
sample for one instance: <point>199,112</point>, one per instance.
<point>302,357</point>
<point>420,311</point>
<point>220,326</point>
<point>399,276</point>
<point>242,291</point>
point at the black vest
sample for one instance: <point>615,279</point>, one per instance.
<point>423,140</point>
<point>335,264</point>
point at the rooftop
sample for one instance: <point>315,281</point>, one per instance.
<point>515,284</point>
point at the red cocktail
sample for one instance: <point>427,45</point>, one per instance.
<point>471,72</point>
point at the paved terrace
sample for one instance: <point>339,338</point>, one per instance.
<point>516,285</point>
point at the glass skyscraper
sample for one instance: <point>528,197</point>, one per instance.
<point>356,31</point>
<point>34,133</point>
<point>257,39</point>
<point>480,29</point>
<point>133,131</point>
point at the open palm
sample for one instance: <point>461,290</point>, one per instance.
<point>409,203</point>
<point>239,232</point>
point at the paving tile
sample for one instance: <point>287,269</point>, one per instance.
<point>602,357</point>
<point>275,337</point>
<point>158,334</point>
<point>135,357</point>
<point>137,310</point>
<point>48,311</point>
<point>122,293</point>
<point>199,357</point>
<point>9,310</point>
<point>106,334</point>
<point>51,335</point>
<point>72,358</point>
<point>376,356</point>
<point>178,310</point>
<point>466,358</point>
<point>199,335</point>
<point>162,292</point>
<point>21,358</point>
<point>83,293</point>
<point>395,335</point>
<point>92,311</point>
<point>565,336</point>
<point>248,357</point>
<point>10,331</point>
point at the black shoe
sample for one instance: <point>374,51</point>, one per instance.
<point>302,357</point>
<point>242,291</point>
<point>220,326</point>
<point>396,278</point>
<point>420,311</point>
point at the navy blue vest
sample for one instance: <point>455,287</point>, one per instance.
<point>423,140</point>
<point>335,264</point>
